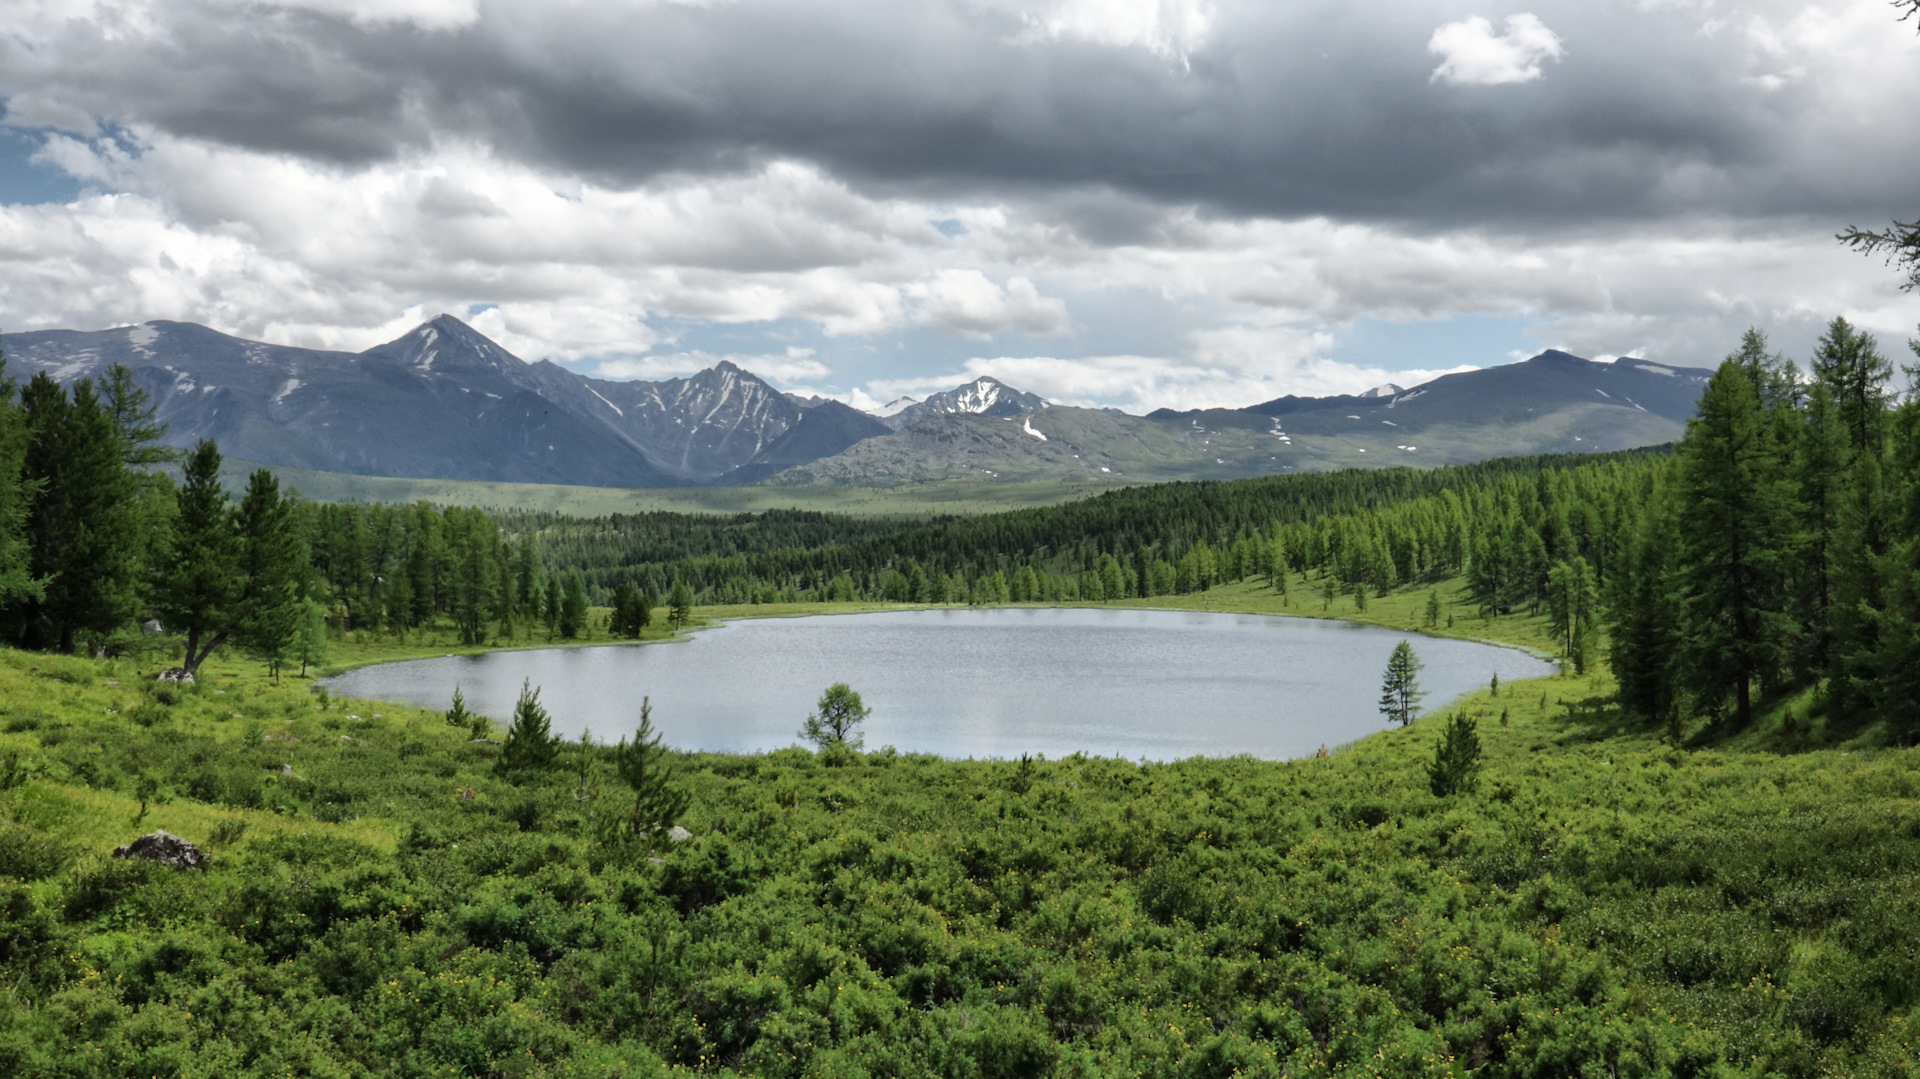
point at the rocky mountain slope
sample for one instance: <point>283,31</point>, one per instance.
<point>1554,402</point>
<point>444,402</point>
<point>983,396</point>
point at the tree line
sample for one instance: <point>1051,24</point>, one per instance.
<point>1780,548</point>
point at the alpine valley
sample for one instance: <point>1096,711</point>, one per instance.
<point>444,402</point>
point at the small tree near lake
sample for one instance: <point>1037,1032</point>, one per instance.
<point>643,765</point>
<point>680,605</point>
<point>837,721</point>
<point>530,745</point>
<point>1400,692</point>
<point>1456,759</point>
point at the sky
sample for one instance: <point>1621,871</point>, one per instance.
<point>1122,203</point>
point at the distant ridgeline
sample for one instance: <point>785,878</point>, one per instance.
<point>1777,547</point>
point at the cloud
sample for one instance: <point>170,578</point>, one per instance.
<point>1187,201</point>
<point>1273,110</point>
<point>967,304</point>
<point>1473,55</point>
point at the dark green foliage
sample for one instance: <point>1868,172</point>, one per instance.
<point>530,744</point>
<point>679,604</point>
<point>836,720</point>
<point>1456,759</point>
<point>645,767</point>
<point>573,607</point>
<point>17,583</point>
<point>632,611</point>
<point>198,581</point>
<point>1400,690</point>
<point>1599,908</point>
<point>457,715</point>
<point>272,568</point>
<point>1734,526</point>
<point>82,530</point>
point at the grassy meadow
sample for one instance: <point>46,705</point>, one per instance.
<point>1607,902</point>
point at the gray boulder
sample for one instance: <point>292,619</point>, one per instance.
<point>165,848</point>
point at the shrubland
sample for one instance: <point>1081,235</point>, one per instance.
<point>383,901</point>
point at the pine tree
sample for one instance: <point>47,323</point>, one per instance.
<point>82,529</point>
<point>1850,365</point>
<point>1455,768</point>
<point>1400,691</point>
<point>458,716</point>
<point>1897,670</point>
<point>680,605</point>
<point>310,642</point>
<point>1819,472</point>
<point>272,567</point>
<point>573,607</point>
<point>644,765</point>
<point>17,583</point>
<point>1734,534</point>
<point>198,584</point>
<point>530,745</point>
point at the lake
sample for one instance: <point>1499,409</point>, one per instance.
<point>993,682</point>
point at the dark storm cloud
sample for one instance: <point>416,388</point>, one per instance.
<point>1280,110</point>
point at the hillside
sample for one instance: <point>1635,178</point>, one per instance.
<point>380,901</point>
<point>1553,403</point>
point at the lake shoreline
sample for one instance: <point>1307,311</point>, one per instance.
<point>980,682</point>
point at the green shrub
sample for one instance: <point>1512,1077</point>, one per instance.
<point>27,854</point>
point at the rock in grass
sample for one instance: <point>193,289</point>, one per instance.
<point>175,674</point>
<point>678,834</point>
<point>164,847</point>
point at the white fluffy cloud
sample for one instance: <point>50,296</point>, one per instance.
<point>1473,55</point>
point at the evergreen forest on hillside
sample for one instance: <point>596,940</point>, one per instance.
<point>1696,852</point>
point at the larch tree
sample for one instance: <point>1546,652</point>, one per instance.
<point>1400,690</point>
<point>272,565</point>
<point>837,718</point>
<point>82,530</point>
<point>197,589</point>
<point>1735,527</point>
<point>17,583</point>
<point>644,765</point>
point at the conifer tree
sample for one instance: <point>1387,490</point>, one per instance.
<point>197,589</point>
<point>530,745</point>
<point>1819,473</point>
<point>680,605</point>
<point>1400,690</point>
<point>837,718</point>
<point>1455,768</point>
<point>272,567</point>
<point>573,607</point>
<point>643,764</point>
<point>82,530</point>
<point>1735,525</point>
<point>17,583</point>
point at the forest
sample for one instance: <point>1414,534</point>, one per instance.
<point>1693,853</point>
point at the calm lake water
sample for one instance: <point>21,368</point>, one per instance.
<point>997,682</point>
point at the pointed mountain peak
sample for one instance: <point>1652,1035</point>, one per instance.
<point>444,342</point>
<point>984,396</point>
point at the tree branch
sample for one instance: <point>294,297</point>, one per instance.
<point>1899,244</point>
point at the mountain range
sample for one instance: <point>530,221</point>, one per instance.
<point>444,402</point>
